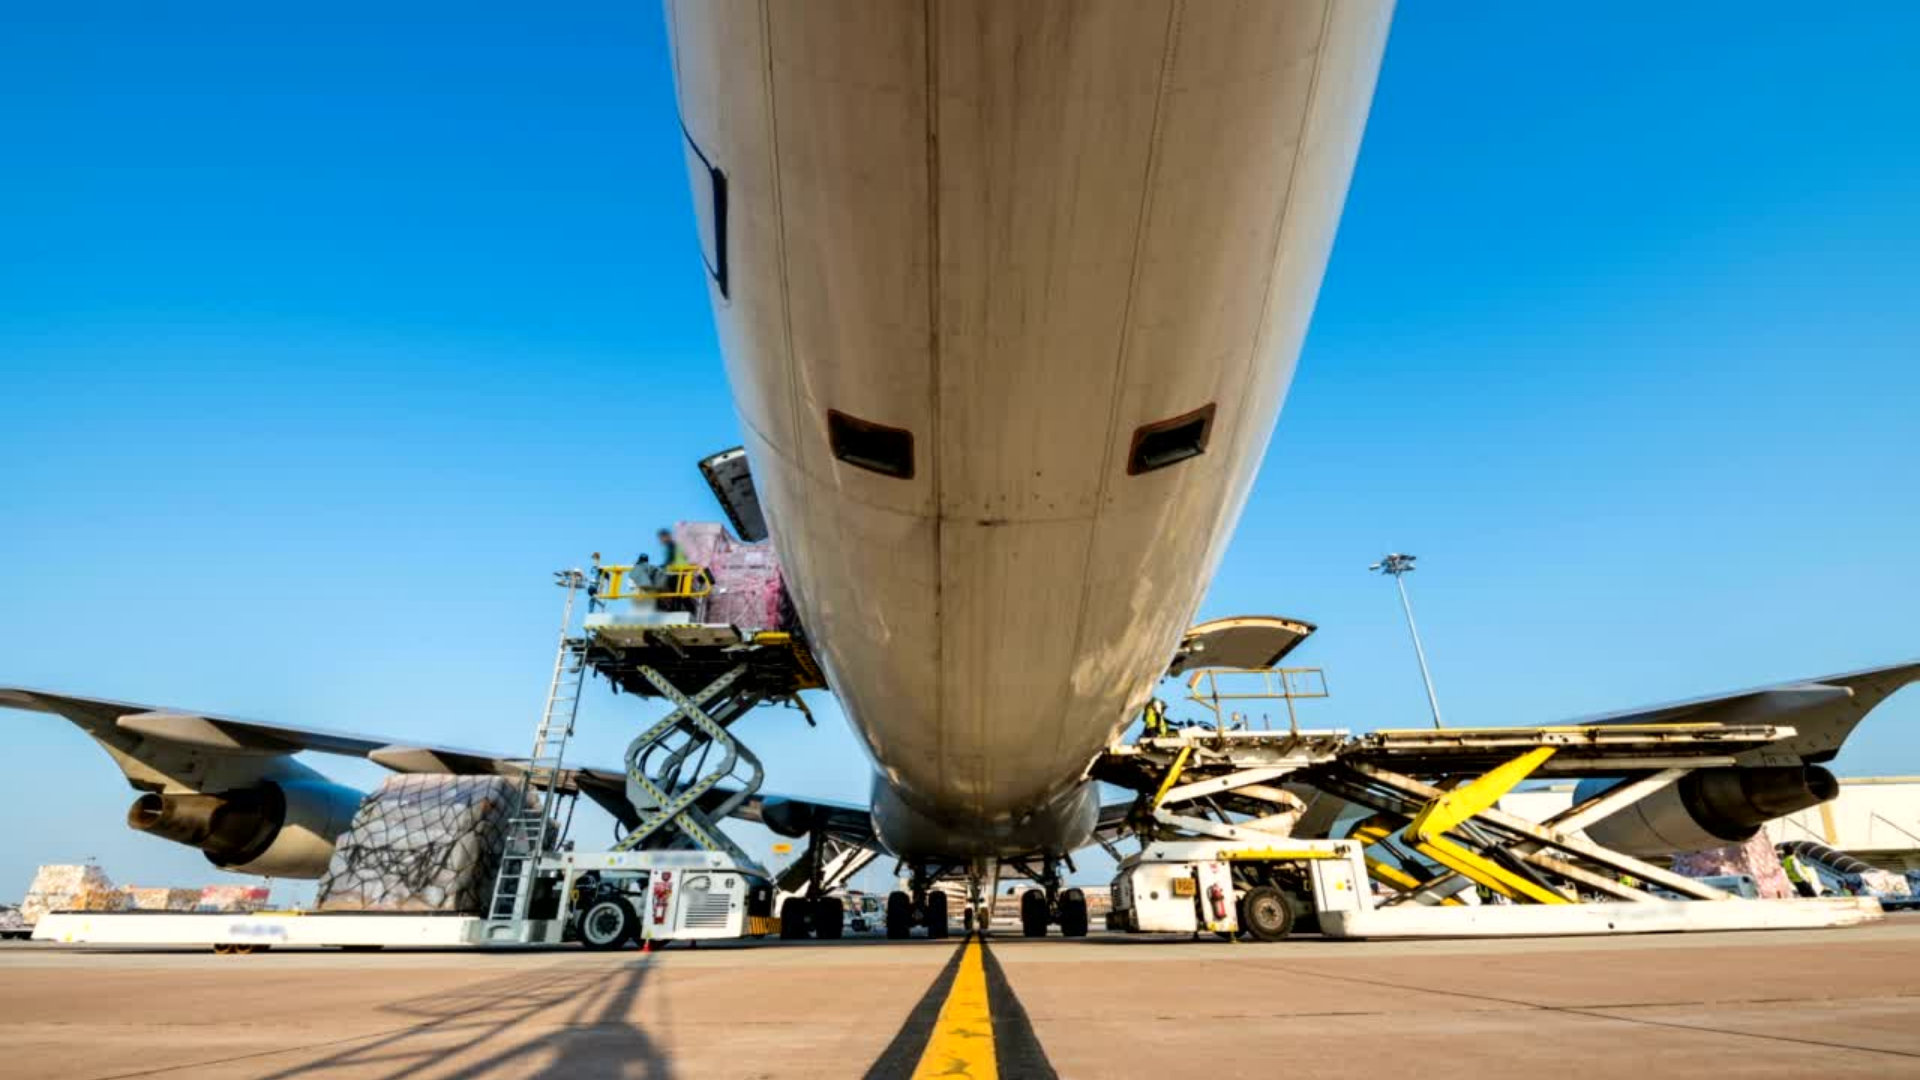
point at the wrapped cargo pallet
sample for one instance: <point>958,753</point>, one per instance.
<point>70,887</point>
<point>421,843</point>
<point>232,899</point>
<point>1755,858</point>
<point>749,591</point>
<point>1877,882</point>
<point>141,898</point>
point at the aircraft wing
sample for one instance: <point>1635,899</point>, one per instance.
<point>1822,711</point>
<point>162,749</point>
<point>170,749</point>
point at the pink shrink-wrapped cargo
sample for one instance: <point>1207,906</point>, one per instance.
<point>232,899</point>
<point>1755,858</point>
<point>161,898</point>
<point>749,590</point>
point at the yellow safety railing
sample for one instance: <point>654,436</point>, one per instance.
<point>684,581</point>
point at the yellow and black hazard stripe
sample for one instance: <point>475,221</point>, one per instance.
<point>968,1024</point>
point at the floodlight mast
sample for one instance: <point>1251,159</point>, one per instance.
<point>1398,566</point>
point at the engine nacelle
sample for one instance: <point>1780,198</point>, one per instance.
<point>1709,808</point>
<point>789,818</point>
<point>283,828</point>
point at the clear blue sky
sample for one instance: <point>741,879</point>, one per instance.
<point>325,337</point>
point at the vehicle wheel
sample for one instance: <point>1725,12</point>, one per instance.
<point>937,914</point>
<point>966,919</point>
<point>899,915</point>
<point>1073,913</point>
<point>1033,913</point>
<point>796,918</point>
<point>829,918</point>
<point>608,923</point>
<point>1265,914</point>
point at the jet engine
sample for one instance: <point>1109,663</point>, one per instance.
<point>284,828</point>
<point>1709,808</point>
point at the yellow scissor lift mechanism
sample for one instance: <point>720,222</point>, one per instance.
<point>687,771</point>
<point>676,873</point>
<point>1223,794</point>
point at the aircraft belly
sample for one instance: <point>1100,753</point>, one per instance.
<point>1019,232</point>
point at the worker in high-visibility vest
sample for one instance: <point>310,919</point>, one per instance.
<point>1154,720</point>
<point>670,554</point>
<point>1798,873</point>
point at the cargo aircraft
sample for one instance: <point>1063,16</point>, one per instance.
<point>1009,296</point>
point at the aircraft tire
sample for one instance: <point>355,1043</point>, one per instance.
<point>899,915</point>
<point>1033,913</point>
<point>1073,913</point>
<point>796,918</point>
<point>937,914</point>
<point>829,918</point>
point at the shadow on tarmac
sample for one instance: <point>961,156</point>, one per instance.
<point>595,1038</point>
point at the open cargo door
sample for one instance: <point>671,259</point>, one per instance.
<point>1244,641</point>
<point>732,483</point>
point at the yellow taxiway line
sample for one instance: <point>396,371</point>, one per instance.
<point>962,1042</point>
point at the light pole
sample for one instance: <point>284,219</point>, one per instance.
<point>1398,566</point>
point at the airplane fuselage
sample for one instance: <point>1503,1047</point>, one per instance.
<point>1010,295</point>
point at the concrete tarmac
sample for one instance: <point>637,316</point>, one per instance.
<point>1790,1004</point>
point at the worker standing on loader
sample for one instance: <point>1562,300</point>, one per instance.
<point>1154,720</point>
<point>670,554</point>
<point>658,577</point>
<point>1798,873</point>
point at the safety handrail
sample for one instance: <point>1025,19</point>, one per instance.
<point>1274,684</point>
<point>685,581</point>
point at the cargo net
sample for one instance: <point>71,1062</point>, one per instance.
<point>749,591</point>
<point>422,843</point>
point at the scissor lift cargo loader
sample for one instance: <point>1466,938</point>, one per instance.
<point>675,875</point>
<point>1218,809</point>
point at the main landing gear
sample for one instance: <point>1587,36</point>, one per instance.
<point>923,906</point>
<point>824,917</point>
<point>812,907</point>
<point>1052,905</point>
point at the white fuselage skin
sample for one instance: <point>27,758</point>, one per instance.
<point>1020,232</point>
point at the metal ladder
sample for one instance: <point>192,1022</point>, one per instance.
<point>665,797</point>
<point>531,826</point>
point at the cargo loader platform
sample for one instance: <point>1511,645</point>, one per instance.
<point>675,875</point>
<point>1242,831</point>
